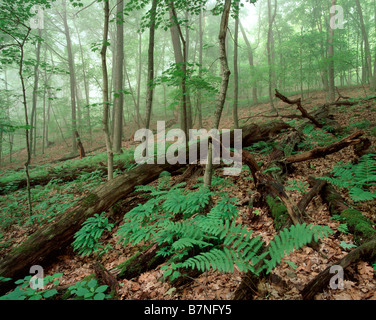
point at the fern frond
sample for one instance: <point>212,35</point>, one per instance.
<point>292,239</point>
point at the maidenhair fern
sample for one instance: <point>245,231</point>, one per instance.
<point>357,178</point>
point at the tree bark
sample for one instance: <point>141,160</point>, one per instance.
<point>270,51</point>
<point>331,58</point>
<point>118,80</point>
<point>224,85</point>
<point>251,64</point>
<point>33,117</point>
<point>236,71</point>
<point>72,77</point>
<point>105,118</point>
<point>367,50</point>
<point>149,84</point>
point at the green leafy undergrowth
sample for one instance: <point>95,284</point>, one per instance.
<point>26,291</point>
<point>314,137</point>
<point>193,235</point>
<point>358,178</point>
<point>89,290</point>
<point>87,239</point>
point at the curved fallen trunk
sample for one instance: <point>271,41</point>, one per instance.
<point>49,241</point>
<point>366,251</point>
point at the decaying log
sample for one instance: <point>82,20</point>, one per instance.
<point>319,152</point>
<point>360,226</point>
<point>66,175</point>
<point>316,189</point>
<point>52,239</point>
<point>140,262</point>
<point>366,251</point>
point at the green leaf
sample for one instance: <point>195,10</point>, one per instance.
<point>99,296</point>
<point>102,288</point>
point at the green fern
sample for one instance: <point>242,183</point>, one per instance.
<point>87,239</point>
<point>292,239</point>
<point>300,186</point>
<point>211,241</point>
<point>357,178</point>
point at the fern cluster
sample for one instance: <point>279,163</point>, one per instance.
<point>87,239</point>
<point>357,178</point>
<point>193,237</point>
<point>316,137</point>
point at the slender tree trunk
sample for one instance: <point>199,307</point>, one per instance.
<point>35,94</point>
<point>118,80</point>
<point>236,74</point>
<point>270,46</point>
<point>180,59</point>
<point>331,59</point>
<point>367,50</point>
<point>373,82</point>
<point>251,64</point>
<point>199,95</point>
<point>72,77</point>
<point>86,85</point>
<point>149,84</point>
<point>24,100</point>
<point>224,85</point>
<point>105,119</point>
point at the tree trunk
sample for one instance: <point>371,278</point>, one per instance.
<point>86,86</point>
<point>367,50</point>
<point>33,131</point>
<point>118,80</point>
<point>251,64</point>
<point>199,94</point>
<point>72,77</point>
<point>331,58</point>
<point>149,84</point>
<point>236,73</point>
<point>105,119</point>
<point>224,85</point>
<point>180,52</point>
<point>270,50</point>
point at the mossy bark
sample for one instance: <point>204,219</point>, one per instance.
<point>357,223</point>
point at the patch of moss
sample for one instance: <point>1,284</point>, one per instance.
<point>90,200</point>
<point>279,212</point>
<point>359,225</point>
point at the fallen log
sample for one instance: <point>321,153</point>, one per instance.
<point>66,175</point>
<point>366,251</point>
<point>364,236</point>
<point>49,241</point>
<point>46,243</point>
<point>324,151</point>
<point>360,226</point>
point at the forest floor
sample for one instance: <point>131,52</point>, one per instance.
<point>287,279</point>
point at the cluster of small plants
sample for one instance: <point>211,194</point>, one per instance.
<point>87,239</point>
<point>29,288</point>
